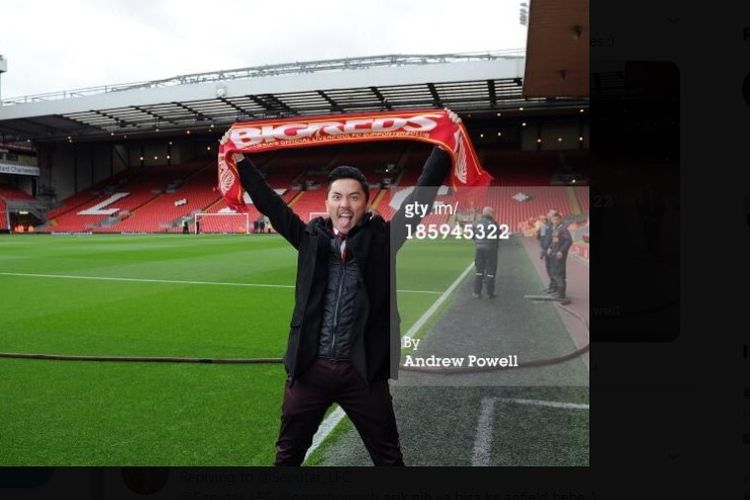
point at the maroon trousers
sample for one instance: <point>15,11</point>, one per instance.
<point>370,409</point>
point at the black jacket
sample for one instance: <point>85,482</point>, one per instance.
<point>490,232</point>
<point>559,239</point>
<point>345,306</point>
<point>376,353</point>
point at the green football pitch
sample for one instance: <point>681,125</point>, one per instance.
<point>229,296</point>
<point>206,296</point>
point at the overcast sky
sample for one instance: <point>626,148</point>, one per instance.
<point>62,45</point>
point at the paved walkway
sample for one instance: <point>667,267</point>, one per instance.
<point>444,418</point>
<point>577,274</point>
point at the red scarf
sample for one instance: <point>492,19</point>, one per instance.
<point>429,125</point>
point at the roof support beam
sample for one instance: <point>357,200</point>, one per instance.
<point>435,96</point>
<point>493,95</point>
<point>120,122</point>
<point>198,115</point>
<point>271,103</point>
<point>334,104</point>
<point>158,118</point>
<point>238,108</point>
<point>383,99</point>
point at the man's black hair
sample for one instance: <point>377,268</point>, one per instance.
<point>347,172</point>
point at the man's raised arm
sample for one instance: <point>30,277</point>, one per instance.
<point>284,220</point>
<point>435,170</point>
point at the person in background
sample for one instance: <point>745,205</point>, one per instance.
<point>544,235</point>
<point>486,242</point>
<point>557,254</point>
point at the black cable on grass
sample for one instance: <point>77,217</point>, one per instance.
<point>227,361</point>
<point>141,359</point>
<point>528,364</point>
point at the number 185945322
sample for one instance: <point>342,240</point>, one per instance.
<point>457,231</point>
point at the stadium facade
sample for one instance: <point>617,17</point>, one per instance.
<point>67,155</point>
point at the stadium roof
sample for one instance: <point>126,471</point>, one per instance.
<point>464,82</point>
<point>558,49</point>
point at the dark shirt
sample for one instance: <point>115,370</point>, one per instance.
<point>560,239</point>
<point>345,306</point>
<point>487,227</point>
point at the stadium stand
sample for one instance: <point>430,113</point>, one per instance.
<point>519,214</point>
<point>85,196</point>
<point>11,193</point>
<point>13,200</point>
<point>281,172</point>
<point>142,185</point>
<point>580,232</point>
<point>161,197</point>
<point>3,216</point>
<point>582,193</point>
<point>165,212</point>
<point>408,166</point>
<point>309,202</point>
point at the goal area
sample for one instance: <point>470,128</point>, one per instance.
<point>222,223</point>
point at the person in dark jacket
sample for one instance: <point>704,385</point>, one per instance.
<point>486,233</point>
<point>557,253</point>
<point>344,341</point>
<point>545,237</point>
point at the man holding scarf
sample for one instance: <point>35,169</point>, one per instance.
<point>341,346</point>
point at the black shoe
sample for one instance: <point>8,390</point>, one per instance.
<point>548,290</point>
<point>491,296</point>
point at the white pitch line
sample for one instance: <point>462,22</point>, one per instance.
<point>434,307</point>
<point>142,280</point>
<point>330,422</point>
<point>183,282</point>
<point>428,292</point>
<point>483,440</point>
<point>550,404</point>
<point>335,417</point>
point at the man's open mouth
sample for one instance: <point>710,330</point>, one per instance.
<point>345,219</point>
